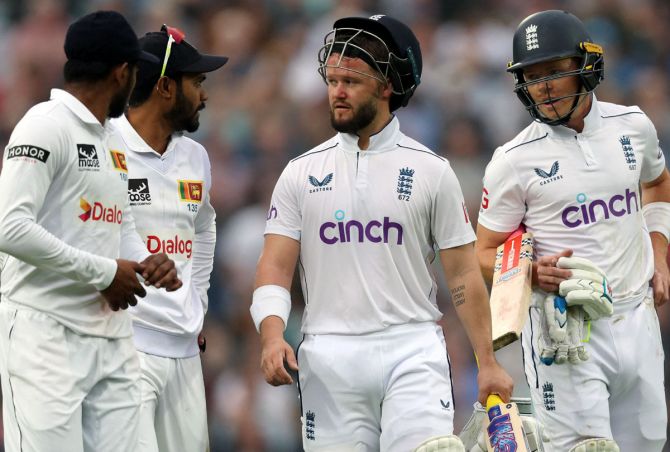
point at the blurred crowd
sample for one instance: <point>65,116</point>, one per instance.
<point>268,105</point>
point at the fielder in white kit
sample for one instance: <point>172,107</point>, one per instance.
<point>69,370</point>
<point>588,179</point>
<point>168,189</point>
<point>365,214</point>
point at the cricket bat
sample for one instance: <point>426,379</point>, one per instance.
<point>504,429</point>
<point>511,287</point>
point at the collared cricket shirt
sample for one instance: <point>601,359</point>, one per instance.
<point>581,191</point>
<point>169,198</point>
<point>64,199</point>
<point>368,223</point>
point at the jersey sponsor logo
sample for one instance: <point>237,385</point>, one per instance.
<point>172,246</point>
<point>272,212</point>
<point>599,209</point>
<point>445,405</point>
<point>28,152</point>
<point>354,231</point>
<point>138,192</point>
<point>405,180</point>
<point>88,157</point>
<point>190,190</point>
<point>628,152</point>
<point>100,212</point>
<point>550,176</point>
<point>485,199</point>
<point>119,161</point>
<point>321,185</point>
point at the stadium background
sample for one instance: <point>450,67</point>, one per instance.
<point>268,105</point>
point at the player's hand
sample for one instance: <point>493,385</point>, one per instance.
<point>549,276</point>
<point>661,283</point>
<point>493,379</point>
<point>275,352</point>
<point>121,292</point>
<point>202,343</point>
<point>159,271</point>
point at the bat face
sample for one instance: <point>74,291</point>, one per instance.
<point>511,288</point>
<point>504,430</point>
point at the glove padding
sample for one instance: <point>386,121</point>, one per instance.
<point>588,287</point>
<point>596,445</point>
<point>561,332</point>
<point>447,443</point>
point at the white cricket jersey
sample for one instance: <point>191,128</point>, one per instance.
<point>368,223</point>
<point>169,198</point>
<point>581,191</point>
<point>64,189</point>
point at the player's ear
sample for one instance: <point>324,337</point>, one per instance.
<point>166,87</point>
<point>121,73</point>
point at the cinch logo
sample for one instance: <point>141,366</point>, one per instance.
<point>28,151</point>
<point>587,213</point>
<point>138,192</point>
<point>190,190</point>
<point>174,245</point>
<point>355,231</point>
<point>98,212</point>
<point>88,157</point>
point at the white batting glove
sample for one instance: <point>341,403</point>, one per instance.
<point>588,287</point>
<point>554,332</point>
<point>447,443</point>
<point>576,351</point>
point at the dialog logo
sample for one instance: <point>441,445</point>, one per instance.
<point>100,212</point>
<point>171,245</point>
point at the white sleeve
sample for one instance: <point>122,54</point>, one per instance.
<point>503,201</point>
<point>204,242</point>
<point>284,215</point>
<point>132,246</point>
<point>450,223</point>
<point>22,201</point>
<point>653,160</point>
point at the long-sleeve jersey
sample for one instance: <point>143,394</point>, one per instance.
<point>64,198</point>
<point>169,198</point>
<point>369,223</point>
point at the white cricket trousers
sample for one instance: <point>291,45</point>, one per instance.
<point>64,392</point>
<point>173,417</point>
<point>618,393</point>
<point>384,391</point>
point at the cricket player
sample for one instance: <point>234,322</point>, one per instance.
<point>168,190</point>
<point>588,179</point>
<point>365,214</point>
<point>70,372</point>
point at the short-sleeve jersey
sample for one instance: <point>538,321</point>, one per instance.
<point>581,191</point>
<point>369,223</point>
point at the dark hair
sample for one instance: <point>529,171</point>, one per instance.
<point>86,71</point>
<point>373,46</point>
<point>147,77</point>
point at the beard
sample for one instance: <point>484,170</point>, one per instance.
<point>183,117</point>
<point>120,100</point>
<point>362,118</point>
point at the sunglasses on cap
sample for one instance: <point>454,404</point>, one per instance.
<point>176,36</point>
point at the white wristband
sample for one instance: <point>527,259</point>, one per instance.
<point>657,217</point>
<point>270,300</point>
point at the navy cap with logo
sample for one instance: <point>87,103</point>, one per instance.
<point>104,36</point>
<point>182,57</point>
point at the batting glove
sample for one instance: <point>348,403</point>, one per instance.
<point>587,288</point>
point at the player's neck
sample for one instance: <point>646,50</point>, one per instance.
<point>94,97</point>
<point>151,126</point>
<point>576,121</point>
<point>376,126</point>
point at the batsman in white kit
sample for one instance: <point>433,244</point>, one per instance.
<point>588,179</point>
<point>69,369</point>
<point>364,214</point>
<point>168,190</point>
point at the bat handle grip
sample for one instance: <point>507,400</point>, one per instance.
<point>492,400</point>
